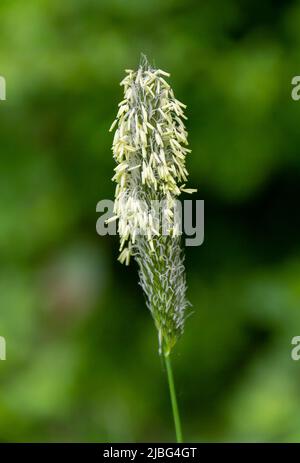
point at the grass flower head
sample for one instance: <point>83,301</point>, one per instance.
<point>150,147</point>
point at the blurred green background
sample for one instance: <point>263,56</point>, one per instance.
<point>82,361</point>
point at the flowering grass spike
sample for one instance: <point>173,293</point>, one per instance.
<point>150,147</point>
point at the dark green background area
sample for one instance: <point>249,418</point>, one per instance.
<point>82,361</point>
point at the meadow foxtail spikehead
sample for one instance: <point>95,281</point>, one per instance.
<point>150,147</point>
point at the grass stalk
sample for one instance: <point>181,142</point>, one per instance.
<point>173,398</point>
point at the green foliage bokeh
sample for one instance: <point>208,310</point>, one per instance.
<point>82,361</point>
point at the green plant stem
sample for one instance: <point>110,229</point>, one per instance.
<point>173,399</point>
